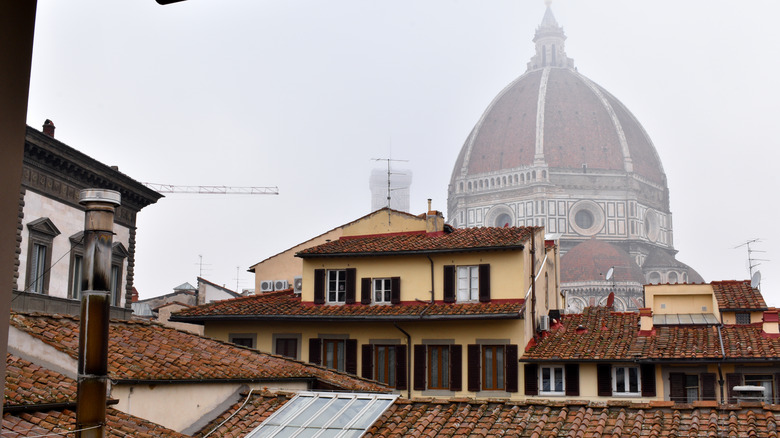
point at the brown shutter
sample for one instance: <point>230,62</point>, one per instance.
<point>677,387</point>
<point>449,284</point>
<point>319,286</point>
<point>707,384</point>
<point>456,367</point>
<point>365,291</point>
<point>511,368</point>
<point>395,290</point>
<point>604,380</point>
<point>474,371</point>
<point>419,367</point>
<point>367,361</point>
<point>572,376</point>
<point>647,372</point>
<point>315,351</point>
<point>351,280</point>
<point>351,361</point>
<point>531,379</point>
<point>776,398</point>
<point>733,380</point>
<point>400,367</point>
<point>484,283</point>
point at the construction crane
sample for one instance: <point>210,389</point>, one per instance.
<point>213,190</point>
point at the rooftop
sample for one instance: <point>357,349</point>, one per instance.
<point>738,295</point>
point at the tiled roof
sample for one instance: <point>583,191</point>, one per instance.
<point>738,295</point>
<point>148,351</point>
<point>45,423</point>
<point>241,418</point>
<point>605,335</point>
<point>285,305</point>
<point>458,240</point>
<point>538,418</point>
<point>29,384</point>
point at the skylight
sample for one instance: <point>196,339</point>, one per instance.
<point>320,414</point>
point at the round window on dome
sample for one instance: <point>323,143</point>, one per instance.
<point>586,218</point>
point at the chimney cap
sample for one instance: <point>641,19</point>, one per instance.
<point>100,195</point>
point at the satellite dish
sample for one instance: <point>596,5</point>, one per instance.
<point>755,281</point>
<point>609,273</point>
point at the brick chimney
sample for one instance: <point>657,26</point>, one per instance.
<point>771,326</point>
<point>645,321</point>
<point>48,128</point>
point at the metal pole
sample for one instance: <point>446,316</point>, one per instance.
<point>95,300</point>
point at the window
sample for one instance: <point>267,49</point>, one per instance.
<point>742,318</point>
<point>337,286</point>
<point>382,290</point>
<point>287,347</point>
<point>338,353</point>
<point>625,381</point>
<point>687,388</point>
<point>439,367</point>
<point>243,339</point>
<point>492,367</point>
<point>763,380</point>
<point>76,265</point>
<point>385,364</point>
<point>41,233</point>
<point>333,354</point>
<point>118,256</point>
<point>468,283</point>
<point>551,380</point>
<point>38,267</point>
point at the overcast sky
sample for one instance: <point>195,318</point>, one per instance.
<point>303,94</point>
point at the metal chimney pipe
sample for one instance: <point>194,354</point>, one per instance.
<point>95,300</point>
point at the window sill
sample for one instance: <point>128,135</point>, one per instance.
<point>554,394</point>
<point>437,393</point>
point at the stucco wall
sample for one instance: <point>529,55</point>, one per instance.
<point>681,298</point>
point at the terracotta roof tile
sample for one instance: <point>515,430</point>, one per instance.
<point>29,384</point>
<point>118,425</point>
<point>285,304</point>
<point>733,295</point>
<point>140,350</point>
<point>459,239</point>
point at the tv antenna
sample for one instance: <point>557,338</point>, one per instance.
<point>212,190</point>
<point>388,160</point>
<point>752,261</point>
<point>201,265</point>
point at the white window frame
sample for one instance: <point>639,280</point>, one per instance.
<point>552,369</point>
<point>340,293</point>
<point>627,384</point>
<point>467,278</point>
<point>386,290</point>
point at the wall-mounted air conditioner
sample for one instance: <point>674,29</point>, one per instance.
<point>267,286</point>
<point>280,284</point>
<point>544,323</point>
<point>298,284</point>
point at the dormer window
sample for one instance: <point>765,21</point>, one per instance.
<point>334,286</point>
<point>337,286</point>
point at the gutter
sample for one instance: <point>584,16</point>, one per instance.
<point>421,251</point>
<point>42,407</point>
<point>408,361</point>
<point>720,370</point>
<point>203,319</point>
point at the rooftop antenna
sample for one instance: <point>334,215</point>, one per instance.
<point>389,172</point>
<point>752,261</point>
<point>201,265</point>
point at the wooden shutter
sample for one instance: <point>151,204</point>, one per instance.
<point>604,380</point>
<point>351,280</point>
<point>647,374</point>
<point>365,291</point>
<point>473,358</point>
<point>315,351</point>
<point>531,379</point>
<point>776,398</point>
<point>367,361</point>
<point>319,286</point>
<point>400,367</point>
<point>677,387</point>
<point>572,376</point>
<point>456,367</point>
<point>395,290</point>
<point>449,284</point>
<point>419,367</point>
<point>350,365</point>
<point>511,368</point>
<point>733,380</point>
<point>484,283</point>
<point>707,385</point>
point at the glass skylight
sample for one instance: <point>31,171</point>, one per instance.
<point>326,415</point>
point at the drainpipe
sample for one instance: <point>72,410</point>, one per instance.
<point>93,323</point>
<point>408,361</point>
<point>720,371</point>
<point>533,283</point>
<point>431,260</point>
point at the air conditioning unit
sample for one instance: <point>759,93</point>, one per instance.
<point>280,284</point>
<point>544,323</point>
<point>266,286</point>
<point>298,284</point>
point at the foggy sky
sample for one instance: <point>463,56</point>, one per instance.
<point>303,94</point>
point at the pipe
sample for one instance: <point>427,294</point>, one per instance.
<point>408,361</point>
<point>720,370</point>
<point>95,300</point>
<point>533,283</point>
<point>431,260</point>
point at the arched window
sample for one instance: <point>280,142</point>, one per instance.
<point>460,187</point>
<point>654,278</point>
<point>480,184</point>
<point>522,178</point>
<point>533,175</point>
<point>544,174</point>
<point>672,277</point>
<point>504,180</point>
<point>469,185</point>
<point>552,53</point>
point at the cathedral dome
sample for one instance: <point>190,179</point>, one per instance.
<point>591,260</point>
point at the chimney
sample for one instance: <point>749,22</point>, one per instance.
<point>771,327</point>
<point>645,321</point>
<point>48,128</point>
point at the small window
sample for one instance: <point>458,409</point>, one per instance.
<point>76,265</point>
<point>691,387</point>
<point>243,339</point>
<point>625,381</point>
<point>743,318</point>
<point>385,364</point>
<point>38,268</point>
<point>334,354</point>
<point>287,347</point>
<point>468,283</point>
<point>763,380</point>
<point>438,367</point>
<point>118,256</point>
<point>337,286</point>
<point>382,290</point>
<point>492,367</point>
<point>551,380</point>
<point>41,234</point>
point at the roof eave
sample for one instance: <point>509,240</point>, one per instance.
<point>414,252</point>
<point>202,319</point>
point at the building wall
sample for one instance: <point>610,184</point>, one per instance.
<point>680,299</point>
